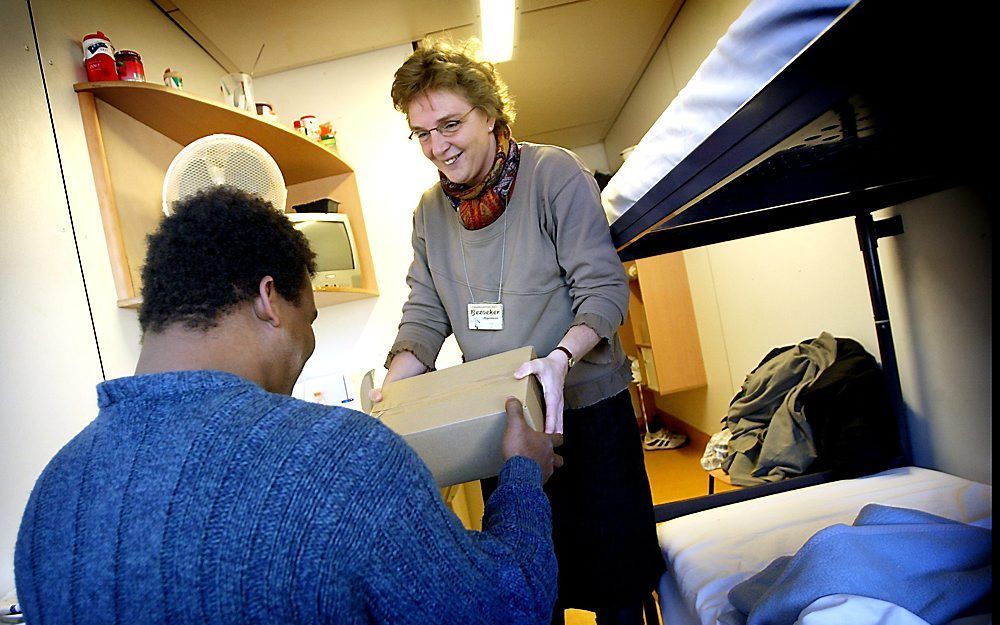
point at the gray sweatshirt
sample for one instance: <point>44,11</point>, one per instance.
<point>560,269</point>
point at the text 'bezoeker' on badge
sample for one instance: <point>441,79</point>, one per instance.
<point>486,316</point>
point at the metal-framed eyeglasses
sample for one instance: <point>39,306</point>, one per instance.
<point>446,129</point>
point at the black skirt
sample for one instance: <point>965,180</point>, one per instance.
<point>602,509</point>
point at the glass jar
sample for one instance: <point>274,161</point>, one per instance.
<point>129,66</point>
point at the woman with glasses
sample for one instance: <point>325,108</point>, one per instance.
<point>512,248</point>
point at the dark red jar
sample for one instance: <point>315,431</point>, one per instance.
<point>129,66</point>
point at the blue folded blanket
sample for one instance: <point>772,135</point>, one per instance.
<point>934,567</point>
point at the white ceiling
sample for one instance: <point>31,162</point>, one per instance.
<point>575,63</point>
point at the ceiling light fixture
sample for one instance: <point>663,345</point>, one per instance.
<point>497,19</point>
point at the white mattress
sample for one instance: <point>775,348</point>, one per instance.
<point>707,553</point>
<point>766,36</point>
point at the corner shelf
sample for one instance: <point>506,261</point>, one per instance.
<point>183,117</point>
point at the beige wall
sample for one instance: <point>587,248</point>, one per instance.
<point>49,395</point>
<point>47,347</point>
<point>593,156</point>
<point>939,282</point>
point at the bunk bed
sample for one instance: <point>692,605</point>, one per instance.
<point>710,553</point>
<point>880,108</point>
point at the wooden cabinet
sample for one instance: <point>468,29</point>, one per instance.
<point>661,330</point>
<point>162,121</point>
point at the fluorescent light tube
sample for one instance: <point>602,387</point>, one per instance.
<point>497,22</point>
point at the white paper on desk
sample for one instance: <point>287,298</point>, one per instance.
<point>332,389</point>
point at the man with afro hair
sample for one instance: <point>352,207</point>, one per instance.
<point>203,493</point>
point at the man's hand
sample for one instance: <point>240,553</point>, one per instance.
<point>520,440</point>
<point>551,373</point>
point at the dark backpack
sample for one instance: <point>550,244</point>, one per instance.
<point>850,414</point>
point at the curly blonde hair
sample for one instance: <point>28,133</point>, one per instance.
<point>450,67</point>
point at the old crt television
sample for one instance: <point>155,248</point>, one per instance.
<point>330,237</point>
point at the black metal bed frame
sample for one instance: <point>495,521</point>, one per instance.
<point>878,110</point>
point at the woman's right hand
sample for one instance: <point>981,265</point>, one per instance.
<point>404,365</point>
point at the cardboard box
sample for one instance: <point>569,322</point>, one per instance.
<point>455,419</point>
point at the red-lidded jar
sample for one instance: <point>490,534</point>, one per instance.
<point>99,58</point>
<point>130,66</point>
<point>309,125</point>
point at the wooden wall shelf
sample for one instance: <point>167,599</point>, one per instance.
<point>311,171</point>
<point>184,117</point>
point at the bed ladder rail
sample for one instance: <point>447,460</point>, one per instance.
<point>869,232</point>
<point>674,509</point>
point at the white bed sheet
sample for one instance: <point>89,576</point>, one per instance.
<point>709,552</point>
<point>841,609</point>
<point>765,37</point>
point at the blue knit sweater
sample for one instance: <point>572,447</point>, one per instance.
<point>197,497</point>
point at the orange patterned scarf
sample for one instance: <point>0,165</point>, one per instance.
<point>480,205</point>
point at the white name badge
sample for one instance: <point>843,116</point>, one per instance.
<point>486,316</point>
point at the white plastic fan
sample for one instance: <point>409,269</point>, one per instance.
<point>224,159</point>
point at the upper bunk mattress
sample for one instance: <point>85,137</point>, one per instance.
<point>766,36</point>
<point>709,552</point>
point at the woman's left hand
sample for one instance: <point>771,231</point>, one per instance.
<point>551,372</point>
